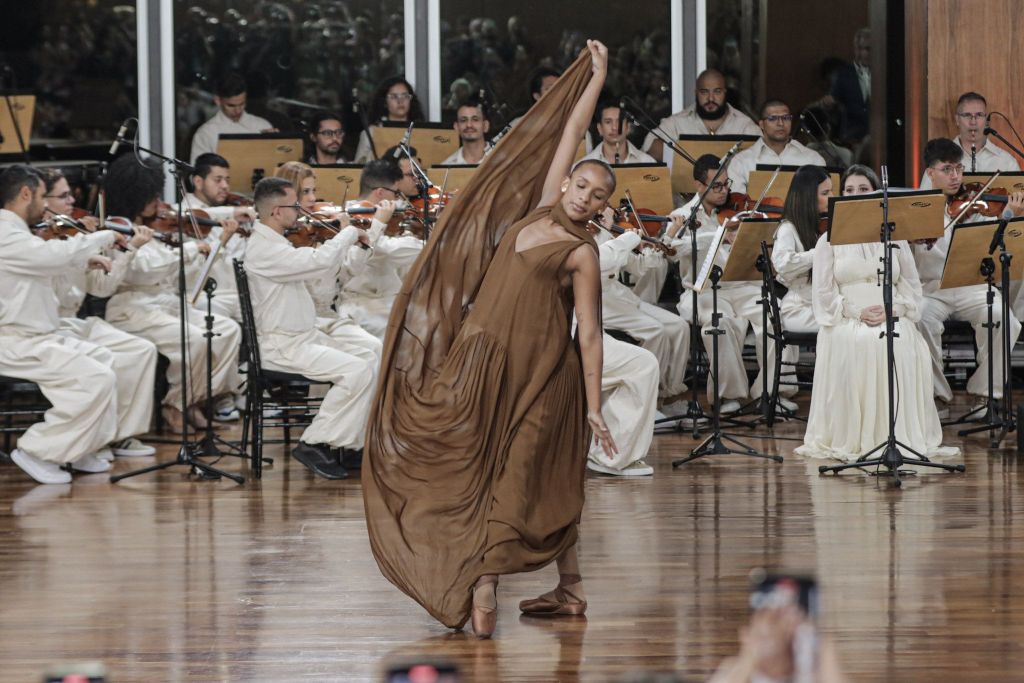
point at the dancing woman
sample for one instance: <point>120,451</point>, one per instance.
<point>477,445</point>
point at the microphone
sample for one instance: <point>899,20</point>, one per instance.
<point>405,141</point>
<point>974,158</point>
<point>622,115</point>
<point>117,138</point>
<point>988,130</point>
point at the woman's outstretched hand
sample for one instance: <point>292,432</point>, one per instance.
<point>602,434</point>
<point>598,56</point>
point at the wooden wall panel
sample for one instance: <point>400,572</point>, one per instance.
<point>974,45</point>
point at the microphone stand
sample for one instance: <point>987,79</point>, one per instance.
<point>890,455</point>
<point>989,130</point>
<point>423,184</point>
<point>188,452</point>
<point>358,106</point>
<point>694,412</point>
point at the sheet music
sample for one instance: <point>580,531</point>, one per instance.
<point>701,282</point>
<point>205,273</point>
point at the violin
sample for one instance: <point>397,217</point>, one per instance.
<point>236,199</point>
<point>823,223</point>
<point>62,227</point>
<point>645,220</point>
<point>431,204</point>
<point>739,205</point>
<point>976,200</point>
<point>597,224</point>
<point>166,219</point>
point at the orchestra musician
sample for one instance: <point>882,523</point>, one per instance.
<point>847,417</point>
<point>231,117</point>
<point>472,125</point>
<point>615,147</point>
<point>394,100</point>
<point>710,115</point>
<point>289,338</point>
<point>979,155</point>
<point>147,305</point>
<point>325,287</point>
<point>661,332</point>
<point>368,293</point>
<point>327,135</point>
<point>132,358</point>
<point>775,147</point>
<point>943,161</point>
<point>738,302</point>
<point>75,376</point>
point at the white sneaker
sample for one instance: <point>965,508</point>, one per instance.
<point>730,406</point>
<point>229,415</point>
<point>132,448</point>
<point>675,408</point>
<point>634,469</point>
<point>791,406</point>
<point>272,412</point>
<point>90,464</point>
<point>42,471</point>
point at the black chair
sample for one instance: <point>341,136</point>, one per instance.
<point>22,404</point>
<point>782,339</point>
<point>268,390</point>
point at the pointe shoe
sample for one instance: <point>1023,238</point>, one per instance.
<point>484,617</point>
<point>560,602</point>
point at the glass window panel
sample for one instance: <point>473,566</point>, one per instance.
<point>79,59</point>
<point>292,53</point>
<point>496,46</point>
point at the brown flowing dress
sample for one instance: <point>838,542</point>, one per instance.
<point>476,447</point>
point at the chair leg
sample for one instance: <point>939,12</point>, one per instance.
<point>257,434</point>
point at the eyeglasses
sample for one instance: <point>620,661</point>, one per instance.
<point>949,169</point>
<point>399,96</point>
<point>391,190</point>
<point>721,185</point>
<point>971,117</point>
<point>62,195</point>
<point>336,133</point>
<point>775,118</point>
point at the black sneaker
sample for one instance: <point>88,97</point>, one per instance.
<point>352,458</point>
<point>317,458</point>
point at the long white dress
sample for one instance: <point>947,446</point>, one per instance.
<point>849,404</point>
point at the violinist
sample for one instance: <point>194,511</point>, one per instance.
<point>776,146</point>
<point>289,336</point>
<point>231,117</point>
<point>324,288</point>
<point>615,147</point>
<point>146,303</point>
<point>327,135</point>
<point>664,334</point>
<point>394,100</point>
<point>407,186</point>
<point>211,185</point>
<point>710,115</point>
<point>132,358</point>
<point>738,302</point>
<point>78,382</point>
<point>943,161</point>
<point>471,125</point>
<point>367,294</point>
<point>971,120</point>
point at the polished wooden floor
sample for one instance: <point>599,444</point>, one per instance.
<point>166,578</point>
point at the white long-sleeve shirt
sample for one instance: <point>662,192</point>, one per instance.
<point>629,155</point>
<point>73,284</point>
<point>987,159</point>
<point>687,122</point>
<point>793,263</point>
<point>28,266</point>
<point>205,139</point>
<point>278,272</point>
<point>794,154</point>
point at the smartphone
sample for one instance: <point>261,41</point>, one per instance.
<point>778,590</point>
<point>423,672</point>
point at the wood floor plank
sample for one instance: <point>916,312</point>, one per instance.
<point>166,578</point>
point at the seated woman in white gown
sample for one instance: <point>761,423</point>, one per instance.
<point>849,403</point>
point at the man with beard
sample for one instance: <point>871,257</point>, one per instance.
<point>327,134</point>
<point>472,125</point>
<point>776,146</point>
<point>711,115</point>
